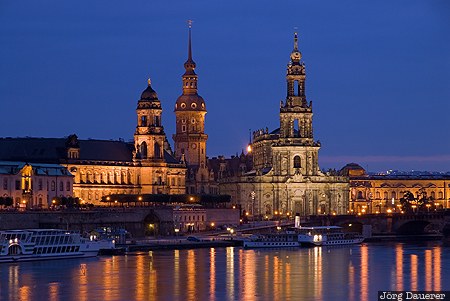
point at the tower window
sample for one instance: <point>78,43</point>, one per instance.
<point>297,162</point>
<point>157,150</point>
<point>297,88</point>
<point>157,121</point>
<point>296,128</point>
<point>143,150</point>
<point>183,128</point>
<point>143,120</point>
<point>193,105</point>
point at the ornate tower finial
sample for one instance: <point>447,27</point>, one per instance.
<point>189,44</point>
<point>149,81</point>
<point>295,41</point>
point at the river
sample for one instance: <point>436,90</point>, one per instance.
<point>355,272</point>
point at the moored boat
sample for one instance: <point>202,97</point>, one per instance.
<point>272,240</point>
<point>44,244</point>
<point>303,236</point>
<point>327,236</point>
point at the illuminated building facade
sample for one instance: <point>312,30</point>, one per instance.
<point>104,167</point>
<point>382,193</point>
<point>285,177</point>
<point>34,185</point>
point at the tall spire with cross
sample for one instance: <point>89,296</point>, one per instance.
<point>189,65</point>
<point>190,110</point>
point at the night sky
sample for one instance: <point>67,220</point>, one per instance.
<point>378,72</point>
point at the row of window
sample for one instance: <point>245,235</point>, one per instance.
<point>52,240</point>
<point>186,218</point>
<point>53,250</point>
<point>40,185</point>
<point>393,195</point>
<point>144,122</point>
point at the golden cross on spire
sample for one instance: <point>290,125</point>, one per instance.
<point>189,22</point>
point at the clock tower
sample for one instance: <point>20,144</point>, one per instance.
<point>190,138</point>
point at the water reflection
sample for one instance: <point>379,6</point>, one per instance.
<point>399,267</point>
<point>339,273</point>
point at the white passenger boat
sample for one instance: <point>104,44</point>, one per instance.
<point>327,236</point>
<point>272,240</point>
<point>44,244</point>
<point>303,236</point>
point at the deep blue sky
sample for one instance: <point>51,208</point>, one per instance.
<point>378,72</point>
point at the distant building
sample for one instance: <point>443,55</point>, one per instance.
<point>284,177</point>
<point>382,193</point>
<point>34,185</point>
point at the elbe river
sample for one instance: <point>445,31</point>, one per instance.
<point>354,272</point>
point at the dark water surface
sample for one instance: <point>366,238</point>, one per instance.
<point>340,273</point>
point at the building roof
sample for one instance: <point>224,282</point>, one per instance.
<point>40,169</point>
<point>54,150</point>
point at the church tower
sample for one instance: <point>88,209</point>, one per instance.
<point>149,136</point>
<point>296,130</point>
<point>190,110</point>
<point>296,113</point>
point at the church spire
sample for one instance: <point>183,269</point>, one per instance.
<point>296,55</point>
<point>189,65</point>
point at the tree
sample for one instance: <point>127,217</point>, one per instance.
<point>407,201</point>
<point>411,203</point>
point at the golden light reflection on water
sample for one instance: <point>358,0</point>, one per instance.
<point>437,268</point>
<point>230,273</point>
<point>191,275</point>
<point>212,273</point>
<point>176,271</point>
<point>399,267</point>
<point>53,291</point>
<point>248,273</point>
<point>414,263</point>
<point>318,270</point>
<point>428,270</point>
<point>82,282</point>
<point>364,273</point>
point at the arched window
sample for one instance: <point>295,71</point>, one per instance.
<point>157,121</point>
<point>297,162</point>
<point>360,195</point>
<point>441,195</point>
<point>143,150</point>
<point>61,186</point>
<point>143,120</point>
<point>157,150</point>
<point>377,195</point>
<point>393,195</point>
<point>385,195</point>
<point>433,195</point>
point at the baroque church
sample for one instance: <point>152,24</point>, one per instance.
<point>281,175</point>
